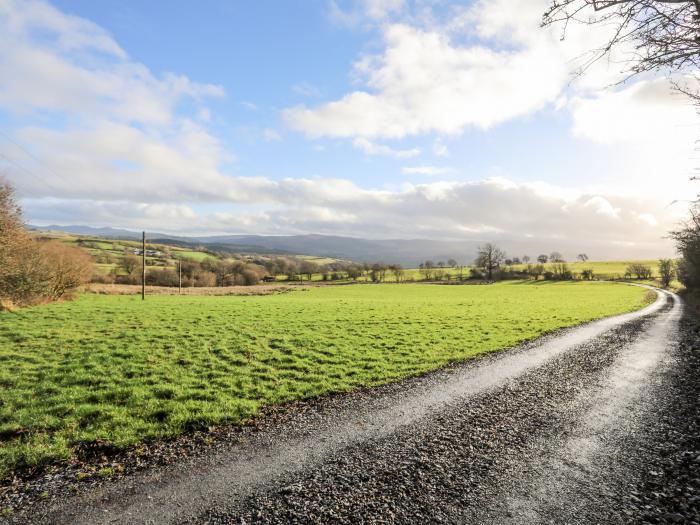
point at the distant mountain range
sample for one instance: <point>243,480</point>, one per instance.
<point>409,252</point>
<point>405,251</point>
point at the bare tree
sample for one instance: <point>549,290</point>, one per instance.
<point>130,263</point>
<point>526,259</point>
<point>542,259</point>
<point>427,269</point>
<point>582,257</point>
<point>490,258</point>
<point>398,272</point>
<point>308,268</point>
<point>641,271</point>
<point>460,271</point>
<point>556,257</point>
<point>664,35</point>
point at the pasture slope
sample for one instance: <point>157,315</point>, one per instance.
<point>113,369</point>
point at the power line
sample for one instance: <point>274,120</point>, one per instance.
<point>25,150</point>
<point>31,173</point>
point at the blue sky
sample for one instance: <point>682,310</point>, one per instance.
<point>371,118</point>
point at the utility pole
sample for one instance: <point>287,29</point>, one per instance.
<point>143,267</point>
<point>179,267</point>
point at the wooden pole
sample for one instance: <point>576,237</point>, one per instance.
<point>143,267</point>
<point>180,272</point>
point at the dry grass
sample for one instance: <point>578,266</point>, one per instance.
<point>7,306</point>
<point>135,289</point>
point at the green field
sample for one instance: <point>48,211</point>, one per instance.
<point>116,369</point>
<point>603,269</point>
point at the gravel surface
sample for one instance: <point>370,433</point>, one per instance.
<point>596,424</point>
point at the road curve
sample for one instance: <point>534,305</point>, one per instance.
<point>521,436</point>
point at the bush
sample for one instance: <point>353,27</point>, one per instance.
<point>587,274</point>
<point>66,268</point>
<point>477,274</point>
<point>32,271</point>
<point>205,279</point>
<point>162,278</point>
<point>640,271</point>
<point>102,278</point>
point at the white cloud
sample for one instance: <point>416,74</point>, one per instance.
<point>371,148</point>
<point>96,111</point>
<point>424,83</point>
<point>43,47</point>
<point>494,209</point>
<point>118,148</point>
<point>425,170</point>
<point>646,111</point>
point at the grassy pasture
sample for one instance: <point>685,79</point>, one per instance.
<point>116,369</point>
<point>603,269</point>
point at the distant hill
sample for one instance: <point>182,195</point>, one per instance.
<point>112,233</point>
<point>408,252</point>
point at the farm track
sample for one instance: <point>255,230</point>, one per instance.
<point>589,425</point>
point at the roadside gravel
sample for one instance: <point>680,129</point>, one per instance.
<point>481,460</point>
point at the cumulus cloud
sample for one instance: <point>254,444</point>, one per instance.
<point>427,80</point>
<point>493,209</point>
<point>103,124</point>
<point>646,111</point>
<point>118,147</point>
<point>424,83</point>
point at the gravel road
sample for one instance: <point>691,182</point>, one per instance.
<point>595,424</point>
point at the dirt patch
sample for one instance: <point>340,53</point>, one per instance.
<point>134,289</point>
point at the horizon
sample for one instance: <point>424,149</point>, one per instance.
<point>190,122</point>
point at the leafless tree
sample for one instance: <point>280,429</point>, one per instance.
<point>664,35</point>
<point>556,257</point>
<point>582,257</point>
<point>130,263</point>
<point>398,272</point>
<point>490,257</point>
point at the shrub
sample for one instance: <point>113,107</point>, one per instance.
<point>66,267</point>
<point>640,271</point>
<point>587,274</point>
<point>163,277</point>
<point>32,271</point>
<point>477,274</point>
<point>205,279</point>
<point>102,278</point>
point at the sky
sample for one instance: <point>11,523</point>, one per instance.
<point>367,118</point>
